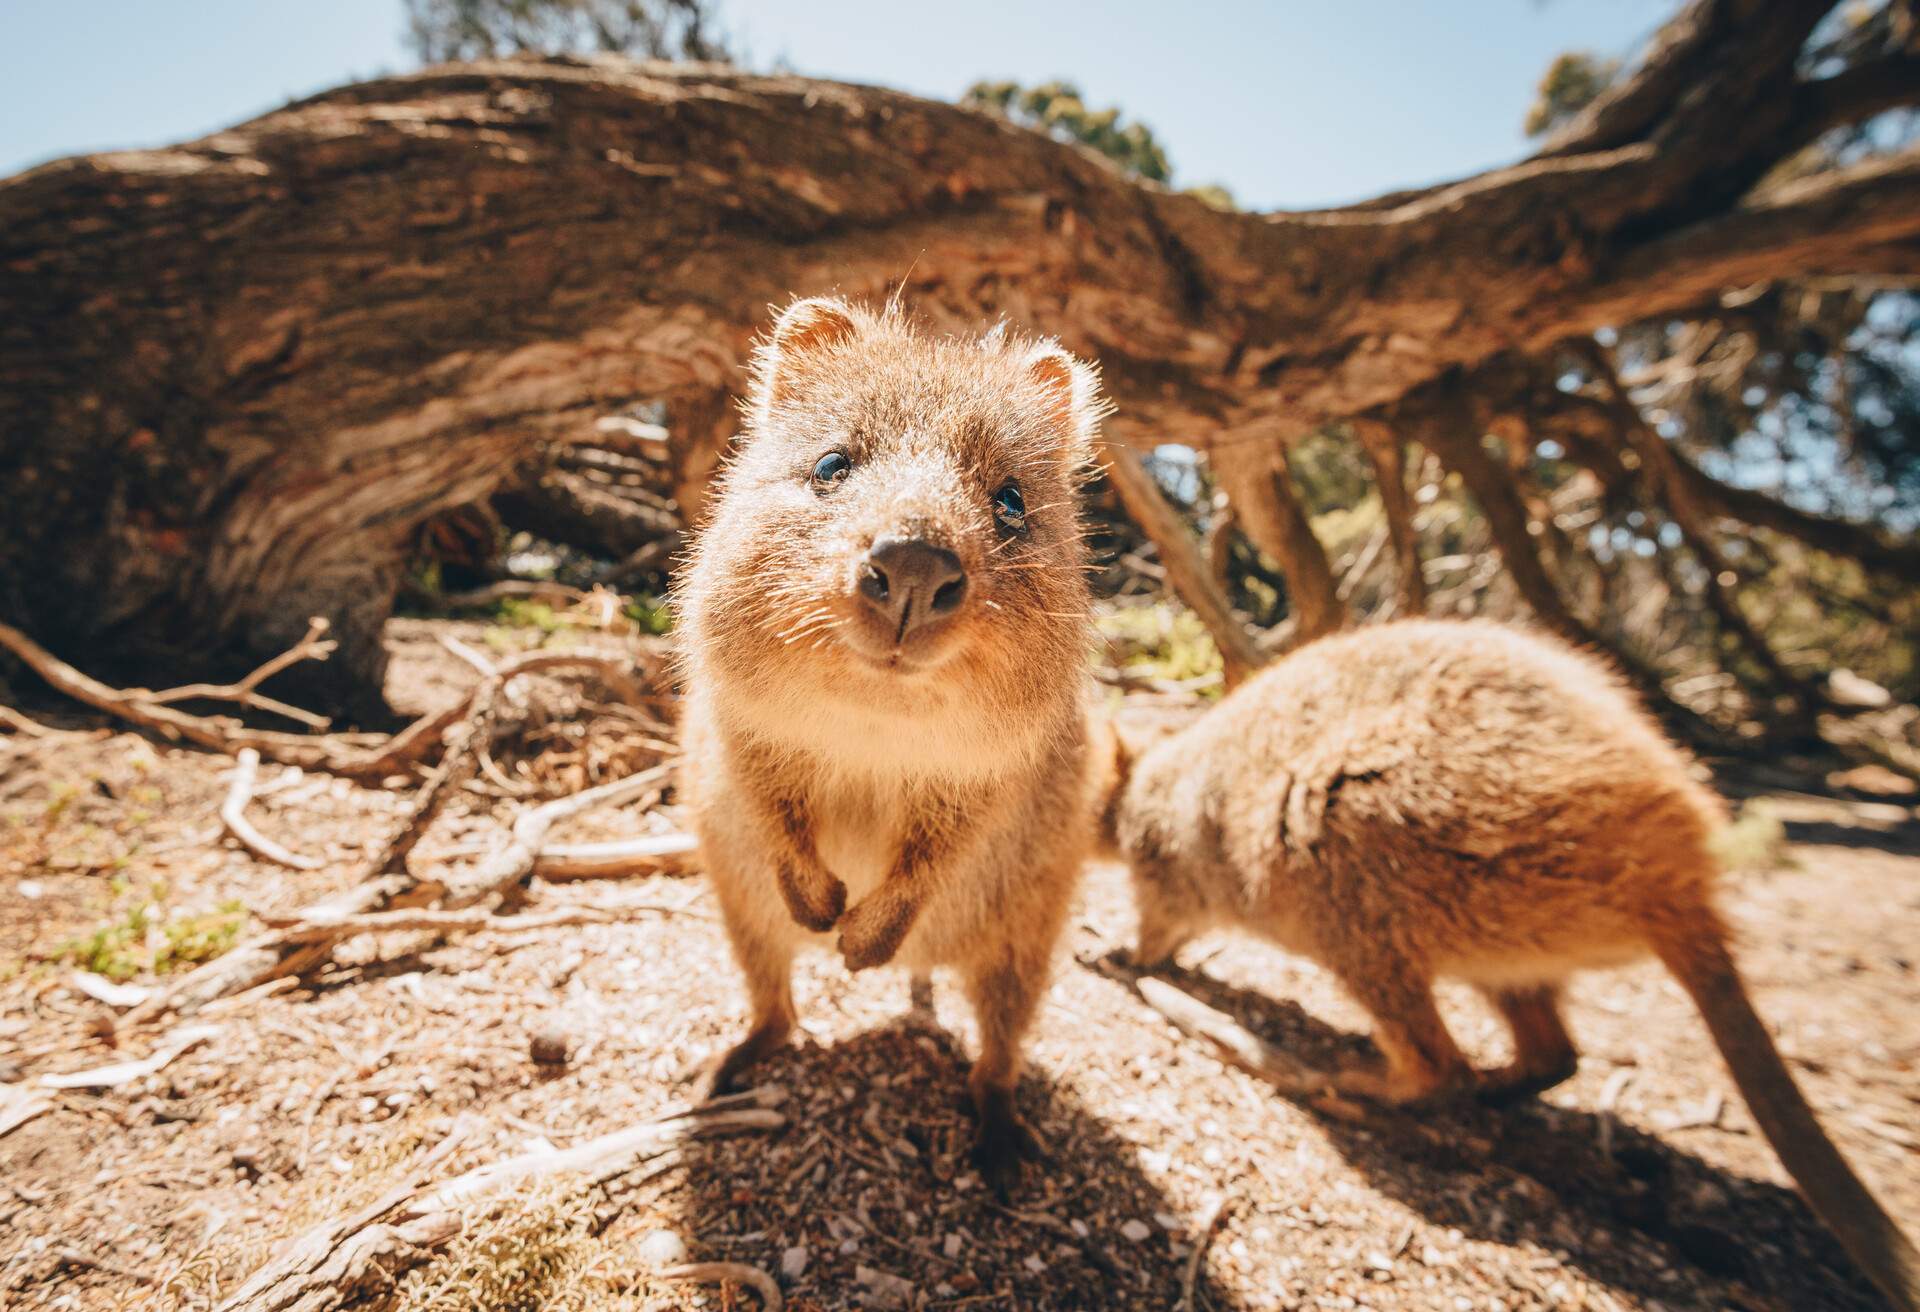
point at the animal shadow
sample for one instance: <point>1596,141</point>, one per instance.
<point>1533,1173</point>
<point>873,1174</point>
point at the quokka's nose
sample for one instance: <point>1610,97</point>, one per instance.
<point>911,583</point>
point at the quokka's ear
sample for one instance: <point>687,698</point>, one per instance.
<point>804,330</point>
<point>1070,391</point>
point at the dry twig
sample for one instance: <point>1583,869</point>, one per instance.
<point>233,817</point>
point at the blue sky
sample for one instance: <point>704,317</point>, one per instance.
<point>1289,103</point>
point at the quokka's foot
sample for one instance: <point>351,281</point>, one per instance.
<point>723,1073</point>
<point>1002,1142</point>
<point>873,931</point>
<point>815,903</point>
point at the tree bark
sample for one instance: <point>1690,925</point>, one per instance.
<point>1386,454</point>
<point>1254,473</point>
<point>236,373</point>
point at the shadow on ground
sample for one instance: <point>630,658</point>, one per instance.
<point>873,1172</point>
<point>1556,1178</point>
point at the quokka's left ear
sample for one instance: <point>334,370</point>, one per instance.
<point>1069,391</point>
<point>804,331</point>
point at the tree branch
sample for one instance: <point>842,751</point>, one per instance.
<point>1150,510</point>
<point>1254,475</point>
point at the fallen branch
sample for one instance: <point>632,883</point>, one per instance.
<point>505,869</point>
<point>150,711</point>
<point>233,817</point>
<point>652,855</point>
<point>445,923</point>
<point>340,1262</point>
<point>315,646</point>
<point>739,1273</point>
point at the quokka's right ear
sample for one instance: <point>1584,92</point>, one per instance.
<point>804,331</point>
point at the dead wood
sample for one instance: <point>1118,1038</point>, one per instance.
<point>233,817</point>
<point>309,455</point>
<point>354,1261</point>
<point>1386,455</point>
<point>738,1273</point>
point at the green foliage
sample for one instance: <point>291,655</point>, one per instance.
<point>520,613</point>
<point>1572,82</point>
<point>1059,110</point>
<point>443,30</point>
<point>1160,640</point>
<point>146,938</point>
<point>1755,840</point>
<point>651,614</point>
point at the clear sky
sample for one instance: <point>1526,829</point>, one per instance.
<point>1289,103</point>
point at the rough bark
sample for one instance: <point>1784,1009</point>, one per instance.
<point>235,374</point>
<point>1386,455</point>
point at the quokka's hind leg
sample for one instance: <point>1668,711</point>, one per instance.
<point>1421,1061</point>
<point>1543,1051</point>
<point>766,959</point>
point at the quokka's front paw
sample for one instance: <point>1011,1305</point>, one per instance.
<point>872,932</point>
<point>816,902</point>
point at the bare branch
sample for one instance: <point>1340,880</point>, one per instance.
<point>233,817</point>
<point>1253,472</point>
<point>1148,507</point>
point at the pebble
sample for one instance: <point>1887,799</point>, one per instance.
<point>793,1262</point>
<point>661,1248</point>
<point>1135,1229</point>
<point>551,1046</point>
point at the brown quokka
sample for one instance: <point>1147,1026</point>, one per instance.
<point>884,633</point>
<point>1433,798</point>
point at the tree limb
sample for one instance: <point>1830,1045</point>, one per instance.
<point>1155,516</point>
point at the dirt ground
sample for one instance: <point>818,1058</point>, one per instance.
<point>1642,1183</point>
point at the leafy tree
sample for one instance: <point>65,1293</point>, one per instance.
<point>1572,82</point>
<point>1058,109</point>
<point>444,30</point>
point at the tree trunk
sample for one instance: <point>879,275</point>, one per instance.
<point>1255,476</point>
<point>235,374</point>
<point>1386,454</point>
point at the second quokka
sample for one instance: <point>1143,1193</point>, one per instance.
<point>1432,798</point>
<point>884,630</point>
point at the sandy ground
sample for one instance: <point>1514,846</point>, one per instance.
<point>1639,1184</point>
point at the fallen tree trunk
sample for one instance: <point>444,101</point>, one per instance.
<point>236,374</point>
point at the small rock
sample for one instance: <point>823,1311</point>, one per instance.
<point>1036,1263</point>
<point>551,1046</point>
<point>793,1262</point>
<point>884,1288</point>
<point>1167,1222</point>
<point>1135,1230</point>
<point>950,1247</point>
<point>661,1248</point>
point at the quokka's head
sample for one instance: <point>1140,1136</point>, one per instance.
<point>902,516</point>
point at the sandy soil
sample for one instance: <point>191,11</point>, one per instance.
<point>1640,1184</point>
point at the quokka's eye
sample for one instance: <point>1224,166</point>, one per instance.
<point>831,471</point>
<point>1010,509</point>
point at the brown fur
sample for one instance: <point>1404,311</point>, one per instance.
<point>1433,798</point>
<point>915,791</point>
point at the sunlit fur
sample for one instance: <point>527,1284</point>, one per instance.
<point>933,428</point>
<point>1434,798</point>
<point>817,748</point>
